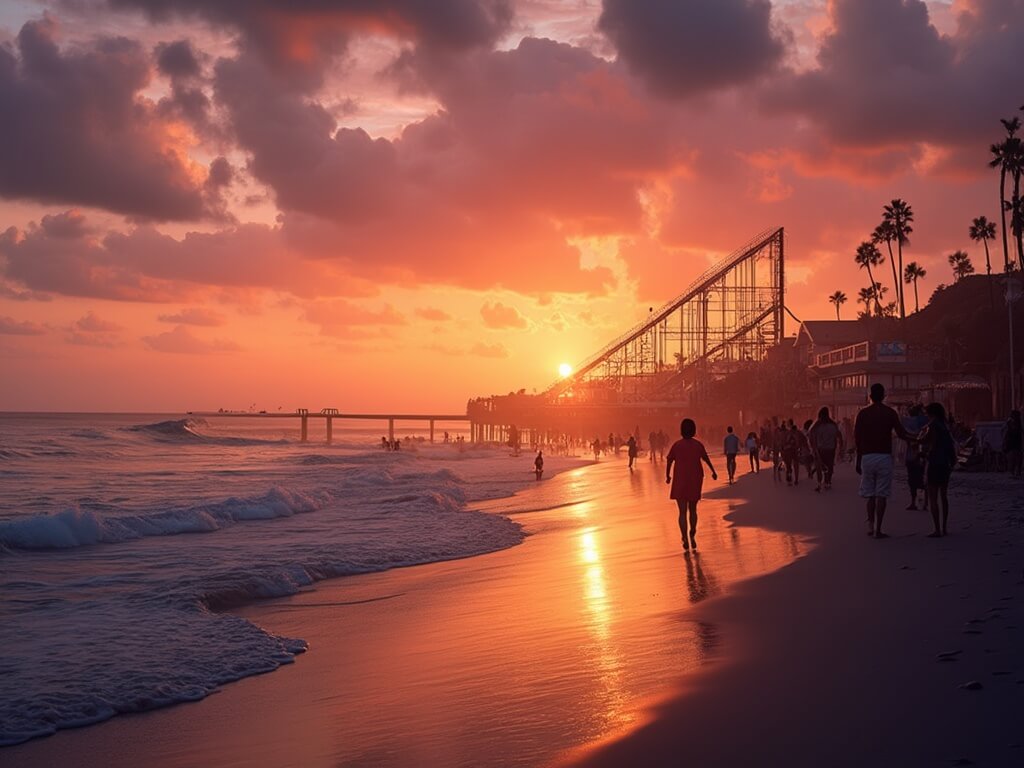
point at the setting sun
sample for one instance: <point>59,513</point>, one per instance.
<point>564,370</point>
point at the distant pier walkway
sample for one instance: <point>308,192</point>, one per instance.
<point>330,414</point>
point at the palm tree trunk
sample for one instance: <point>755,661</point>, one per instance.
<point>892,262</point>
<point>878,305</point>
<point>1016,213</point>
<point>917,305</point>
<point>988,271</point>
<point>1002,217</point>
<point>899,286</point>
<point>837,310</point>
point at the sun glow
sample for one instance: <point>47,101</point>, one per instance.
<point>564,370</point>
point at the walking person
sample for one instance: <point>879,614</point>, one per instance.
<point>826,440</point>
<point>730,448</point>
<point>778,449</point>
<point>1013,443</point>
<point>686,455</point>
<point>753,453</point>
<point>872,434</point>
<point>632,450</point>
<point>914,459</point>
<point>940,451</point>
<point>808,457</point>
<point>538,465</point>
<point>792,441</point>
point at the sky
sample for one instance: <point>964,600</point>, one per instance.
<point>374,204</point>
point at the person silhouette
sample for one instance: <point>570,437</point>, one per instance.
<point>731,447</point>
<point>872,434</point>
<point>631,449</point>
<point>538,464</point>
<point>940,452</point>
<point>686,455</point>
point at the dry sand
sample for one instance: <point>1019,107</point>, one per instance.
<point>598,641</point>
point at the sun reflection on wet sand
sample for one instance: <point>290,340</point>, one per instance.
<point>608,662</point>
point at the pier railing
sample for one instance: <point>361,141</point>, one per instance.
<point>330,414</point>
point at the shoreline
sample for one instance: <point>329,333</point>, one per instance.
<point>473,468</point>
<point>544,646</point>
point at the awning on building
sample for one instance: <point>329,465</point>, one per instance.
<point>962,384</point>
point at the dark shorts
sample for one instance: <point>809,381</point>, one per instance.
<point>915,474</point>
<point>938,474</point>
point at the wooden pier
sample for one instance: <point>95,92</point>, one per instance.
<point>330,414</point>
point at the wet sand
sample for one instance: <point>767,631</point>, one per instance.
<point>905,651</point>
<point>513,658</point>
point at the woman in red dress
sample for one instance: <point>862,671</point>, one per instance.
<point>687,454</point>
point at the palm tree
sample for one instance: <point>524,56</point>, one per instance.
<point>885,233</point>
<point>911,274</point>
<point>900,215</point>
<point>1003,155</point>
<point>838,299</point>
<point>869,256</point>
<point>983,230</point>
<point>880,291</point>
<point>961,264</point>
<point>866,296</point>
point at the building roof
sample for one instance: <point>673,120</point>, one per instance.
<point>833,333</point>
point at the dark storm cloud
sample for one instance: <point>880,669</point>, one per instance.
<point>74,130</point>
<point>300,36</point>
<point>177,60</point>
<point>683,47</point>
<point>886,75</point>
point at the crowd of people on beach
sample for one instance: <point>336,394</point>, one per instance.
<point>930,456</point>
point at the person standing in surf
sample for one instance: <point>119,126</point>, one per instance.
<point>686,455</point>
<point>632,450</point>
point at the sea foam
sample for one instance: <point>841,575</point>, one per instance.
<point>108,609</point>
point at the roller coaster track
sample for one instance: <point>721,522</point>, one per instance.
<point>766,307</point>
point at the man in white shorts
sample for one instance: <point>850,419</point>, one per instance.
<point>872,434</point>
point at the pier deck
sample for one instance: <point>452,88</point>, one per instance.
<point>330,414</point>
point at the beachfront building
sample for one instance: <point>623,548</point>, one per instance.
<point>844,374</point>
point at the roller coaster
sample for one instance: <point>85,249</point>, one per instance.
<point>727,319</point>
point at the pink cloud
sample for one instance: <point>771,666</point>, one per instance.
<point>432,314</point>
<point>194,316</point>
<point>499,316</point>
<point>489,350</point>
<point>180,340</point>
<point>345,319</point>
<point>91,323</point>
<point>11,327</point>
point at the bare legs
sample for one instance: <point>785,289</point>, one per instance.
<point>876,512</point>
<point>688,509</point>
<point>937,493</point>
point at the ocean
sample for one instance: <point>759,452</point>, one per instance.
<point>123,538</point>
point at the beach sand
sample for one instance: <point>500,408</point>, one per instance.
<point>598,641</point>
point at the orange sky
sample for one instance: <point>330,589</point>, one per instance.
<point>402,204</point>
